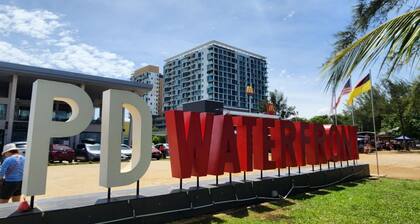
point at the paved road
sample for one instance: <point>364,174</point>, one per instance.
<point>64,180</point>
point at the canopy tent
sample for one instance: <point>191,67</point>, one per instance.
<point>402,137</point>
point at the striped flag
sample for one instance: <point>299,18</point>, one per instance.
<point>346,90</point>
<point>363,86</point>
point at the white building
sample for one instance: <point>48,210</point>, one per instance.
<point>150,75</point>
<point>218,72</point>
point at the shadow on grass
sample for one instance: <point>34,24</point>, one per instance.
<point>325,191</point>
<point>260,208</point>
<point>335,188</point>
<point>206,219</point>
<point>353,183</point>
<point>270,212</point>
<point>320,192</point>
<point>301,196</point>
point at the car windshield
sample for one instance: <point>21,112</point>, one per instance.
<point>21,146</point>
<point>95,147</point>
<point>125,147</point>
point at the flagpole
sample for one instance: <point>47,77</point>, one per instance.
<point>352,112</point>
<point>374,125</point>
<point>335,108</point>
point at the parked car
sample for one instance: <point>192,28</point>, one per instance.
<point>61,153</point>
<point>126,152</point>
<point>22,146</point>
<point>156,153</point>
<point>164,148</point>
<point>88,152</point>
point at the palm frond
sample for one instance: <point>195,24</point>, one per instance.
<point>396,42</point>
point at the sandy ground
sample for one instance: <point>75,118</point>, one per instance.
<point>402,165</point>
<point>74,179</point>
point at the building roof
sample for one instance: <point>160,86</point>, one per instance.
<point>147,68</point>
<point>58,75</point>
<point>218,43</point>
<point>247,114</point>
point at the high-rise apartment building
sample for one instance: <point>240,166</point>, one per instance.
<point>215,71</point>
<point>150,74</point>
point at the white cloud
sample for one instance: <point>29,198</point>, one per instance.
<point>144,64</point>
<point>12,54</point>
<point>289,15</point>
<point>48,42</point>
<point>37,23</point>
<point>90,60</point>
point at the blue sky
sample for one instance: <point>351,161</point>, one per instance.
<point>112,38</point>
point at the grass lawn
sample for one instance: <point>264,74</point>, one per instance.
<point>368,201</point>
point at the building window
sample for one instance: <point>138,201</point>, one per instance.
<point>22,113</point>
<point>3,111</point>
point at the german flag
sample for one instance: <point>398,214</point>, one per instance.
<point>363,86</point>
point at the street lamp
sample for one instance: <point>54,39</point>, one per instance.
<point>249,91</point>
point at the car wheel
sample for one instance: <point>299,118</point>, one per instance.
<point>70,161</point>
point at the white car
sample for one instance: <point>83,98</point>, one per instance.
<point>22,146</point>
<point>126,152</point>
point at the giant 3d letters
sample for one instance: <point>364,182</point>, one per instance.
<point>42,129</point>
<point>202,143</point>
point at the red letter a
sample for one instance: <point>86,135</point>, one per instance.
<point>244,140</point>
<point>223,149</point>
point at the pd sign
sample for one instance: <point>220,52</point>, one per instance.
<point>42,129</point>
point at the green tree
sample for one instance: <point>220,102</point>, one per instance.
<point>321,119</point>
<point>396,108</point>
<point>365,15</point>
<point>279,101</point>
<point>301,119</point>
<point>158,139</point>
<point>395,41</point>
<point>413,110</point>
<point>398,95</point>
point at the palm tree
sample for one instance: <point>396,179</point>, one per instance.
<point>279,102</point>
<point>395,41</point>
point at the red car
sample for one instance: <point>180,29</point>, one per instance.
<point>156,153</point>
<point>61,153</point>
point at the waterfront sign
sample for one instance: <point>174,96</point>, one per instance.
<point>201,143</point>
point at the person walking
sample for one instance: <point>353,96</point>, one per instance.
<point>11,173</point>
